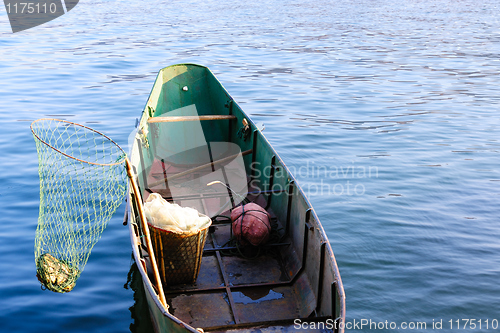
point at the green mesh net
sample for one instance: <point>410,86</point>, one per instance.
<point>82,183</point>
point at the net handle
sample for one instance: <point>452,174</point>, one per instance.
<point>145,228</point>
<point>79,125</point>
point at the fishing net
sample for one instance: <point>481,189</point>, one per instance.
<point>82,183</point>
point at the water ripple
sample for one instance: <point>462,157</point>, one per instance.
<point>386,110</point>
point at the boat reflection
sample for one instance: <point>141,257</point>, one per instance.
<point>139,311</point>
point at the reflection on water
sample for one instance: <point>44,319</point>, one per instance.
<point>256,296</point>
<point>140,310</point>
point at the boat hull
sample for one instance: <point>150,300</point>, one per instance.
<point>297,274</point>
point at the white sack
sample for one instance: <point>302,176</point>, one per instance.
<point>165,215</point>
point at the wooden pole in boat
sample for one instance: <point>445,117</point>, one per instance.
<point>172,119</point>
<point>145,229</point>
<point>198,168</point>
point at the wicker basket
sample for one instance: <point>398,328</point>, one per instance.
<point>178,255</point>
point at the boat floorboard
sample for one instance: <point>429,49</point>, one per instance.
<point>234,291</point>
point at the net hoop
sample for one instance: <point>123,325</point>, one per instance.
<point>82,126</point>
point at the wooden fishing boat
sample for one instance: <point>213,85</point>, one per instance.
<point>196,147</point>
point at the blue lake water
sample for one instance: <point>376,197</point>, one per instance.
<point>388,111</point>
